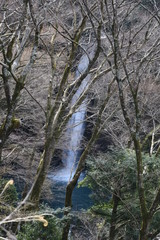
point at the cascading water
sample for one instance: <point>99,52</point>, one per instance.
<point>75,129</point>
<point>71,155</point>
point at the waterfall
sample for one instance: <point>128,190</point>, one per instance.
<point>75,129</point>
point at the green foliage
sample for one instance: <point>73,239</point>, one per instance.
<point>103,209</point>
<point>37,231</point>
<point>10,195</point>
<point>116,173</point>
<point>107,172</point>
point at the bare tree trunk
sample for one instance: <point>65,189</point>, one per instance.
<point>112,232</point>
<point>81,164</point>
<point>41,174</point>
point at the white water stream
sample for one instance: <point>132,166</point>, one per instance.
<point>75,130</point>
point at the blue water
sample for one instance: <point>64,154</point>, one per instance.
<point>80,198</point>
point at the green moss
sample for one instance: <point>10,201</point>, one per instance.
<point>15,123</point>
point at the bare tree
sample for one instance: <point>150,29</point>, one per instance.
<point>124,53</point>
<point>135,47</point>
<point>17,24</point>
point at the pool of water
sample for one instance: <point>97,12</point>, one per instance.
<point>80,198</point>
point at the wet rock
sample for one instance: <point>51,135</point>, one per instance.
<point>57,159</point>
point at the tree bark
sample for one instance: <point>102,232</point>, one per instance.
<point>112,232</point>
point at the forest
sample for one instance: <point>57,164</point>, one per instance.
<point>79,119</point>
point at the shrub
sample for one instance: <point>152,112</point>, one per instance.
<point>37,231</point>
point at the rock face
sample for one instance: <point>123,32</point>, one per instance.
<point>57,159</point>
<point>103,141</point>
<point>151,4</point>
<point>157,237</point>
